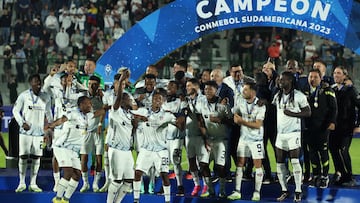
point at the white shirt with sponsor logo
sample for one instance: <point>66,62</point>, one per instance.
<point>250,113</point>
<point>155,129</point>
<point>288,124</point>
<point>192,126</point>
<point>120,124</point>
<point>174,107</point>
<point>215,131</point>
<point>75,130</point>
<point>33,110</point>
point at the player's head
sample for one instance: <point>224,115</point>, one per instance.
<point>236,72</point>
<point>84,104</point>
<point>321,65</point>
<point>94,84</point>
<point>150,82</point>
<point>249,90</point>
<point>35,83</point>
<point>151,69</point>
<point>287,80</point>
<point>158,98</point>
<point>192,86</point>
<point>210,89</point>
<point>172,87</point>
<point>314,77</point>
<point>90,65</point>
<point>180,65</point>
<point>71,67</point>
<point>126,101</point>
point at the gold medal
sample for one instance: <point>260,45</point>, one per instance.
<point>316,104</point>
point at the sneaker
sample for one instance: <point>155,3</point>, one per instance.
<point>336,179</point>
<point>55,188</point>
<point>196,191</point>
<point>56,200</point>
<point>142,188</point>
<point>283,196</point>
<point>234,196</point>
<point>188,176</point>
<point>350,183</point>
<point>172,175</point>
<point>222,194</point>
<point>35,188</point>
<point>256,196</point>
<point>314,181</point>
<point>151,188</point>
<point>297,197</point>
<point>266,181</point>
<point>20,188</point>
<point>105,187</point>
<point>64,200</point>
<point>207,192</point>
<point>95,187</point>
<point>229,179</point>
<point>85,187</point>
<point>324,182</point>
<point>214,179</point>
<point>180,191</point>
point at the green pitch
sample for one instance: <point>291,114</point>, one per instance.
<point>354,150</point>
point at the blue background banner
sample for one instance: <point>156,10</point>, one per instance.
<point>183,21</point>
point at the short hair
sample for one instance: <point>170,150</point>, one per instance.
<point>174,82</point>
<point>95,78</point>
<point>91,59</point>
<point>150,76</point>
<point>160,91</point>
<point>320,61</point>
<point>183,63</point>
<point>315,71</point>
<point>211,83</point>
<point>35,75</point>
<point>194,81</point>
<point>81,100</point>
<point>233,65</point>
<point>252,85</point>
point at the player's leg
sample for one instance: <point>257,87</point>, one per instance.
<point>242,151</point>
<point>36,153</point>
<point>162,165</point>
<point>24,152</point>
<point>98,143</point>
<point>104,188</point>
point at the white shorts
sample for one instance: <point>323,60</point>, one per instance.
<point>67,158</point>
<point>93,142</point>
<point>57,133</point>
<point>195,147</point>
<point>29,144</point>
<point>146,159</point>
<point>175,150</point>
<point>288,141</point>
<point>218,151</point>
<point>254,149</point>
<point>121,164</point>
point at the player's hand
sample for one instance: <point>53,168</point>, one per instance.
<point>141,97</point>
<point>224,101</point>
<point>26,126</point>
<point>180,122</point>
<point>207,146</point>
<point>215,119</point>
<point>238,119</point>
<point>288,113</point>
<point>331,126</point>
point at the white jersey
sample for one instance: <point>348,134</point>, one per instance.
<point>215,131</point>
<point>94,121</point>
<point>250,113</point>
<point>75,130</point>
<point>192,126</point>
<point>120,123</point>
<point>288,124</point>
<point>174,107</point>
<point>155,129</point>
<point>32,109</point>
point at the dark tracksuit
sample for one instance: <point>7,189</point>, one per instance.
<point>340,139</point>
<point>316,136</point>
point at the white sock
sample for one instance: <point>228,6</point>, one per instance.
<point>35,165</point>
<point>259,175</point>
<point>85,177</point>
<point>195,177</point>
<point>56,176</point>
<point>136,187</point>
<point>125,187</point>
<point>166,193</point>
<point>178,174</point>
<point>71,188</point>
<point>22,170</point>
<point>281,172</point>
<point>106,166</point>
<point>97,178</point>
<point>238,179</point>
<point>297,172</point>
<point>152,174</point>
<point>206,181</point>
<point>63,184</point>
<point>113,191</point>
